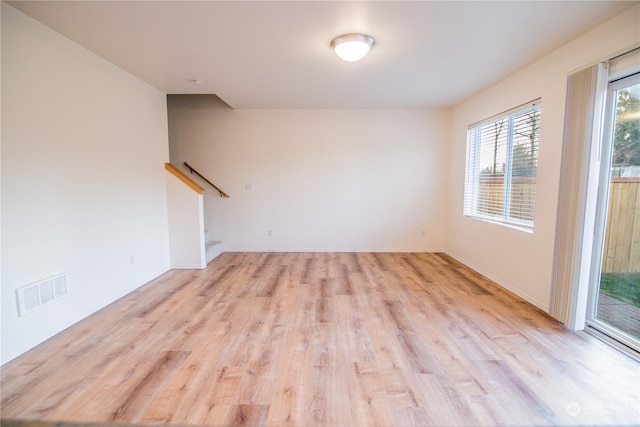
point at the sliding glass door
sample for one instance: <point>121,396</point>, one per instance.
<point>615,289</point>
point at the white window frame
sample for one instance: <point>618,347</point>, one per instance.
<point>473,168</point>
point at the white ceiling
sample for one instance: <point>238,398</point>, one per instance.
<point>269,54</point>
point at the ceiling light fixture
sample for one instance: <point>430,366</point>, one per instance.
<point>352,47</point>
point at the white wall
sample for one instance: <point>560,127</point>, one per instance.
<point>323,180</point>
<point>83,186</point>
<point>186,225</point>
<point>520,261</point>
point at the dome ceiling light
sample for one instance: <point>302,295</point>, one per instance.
<point>352,47</point>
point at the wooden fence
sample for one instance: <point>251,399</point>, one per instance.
<point>622,238</point>
<point>523,196</point>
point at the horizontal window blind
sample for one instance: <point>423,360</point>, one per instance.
<point>501,167</point>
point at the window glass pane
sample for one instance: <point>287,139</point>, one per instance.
<point>616,308</point>
<point>494,148</point>
<point>626,140</point>
<point>502,162</point>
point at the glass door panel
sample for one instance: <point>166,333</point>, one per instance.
<point>615,302</point>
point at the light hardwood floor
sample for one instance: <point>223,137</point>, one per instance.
<point>332,339</point>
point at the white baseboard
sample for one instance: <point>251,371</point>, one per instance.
<point>542,306</point>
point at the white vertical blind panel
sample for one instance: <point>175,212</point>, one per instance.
<point>576,150</point>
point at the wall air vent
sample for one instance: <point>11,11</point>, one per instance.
<point>40,293</point>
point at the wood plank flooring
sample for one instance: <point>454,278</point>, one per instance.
<point>323,339</point>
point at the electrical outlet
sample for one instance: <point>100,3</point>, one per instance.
<point>269,233</point>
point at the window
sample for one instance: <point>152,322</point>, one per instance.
<point>501,167</point>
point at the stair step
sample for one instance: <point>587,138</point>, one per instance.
<point>212,249</point>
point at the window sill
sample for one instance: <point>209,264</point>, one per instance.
<point>515,226</point>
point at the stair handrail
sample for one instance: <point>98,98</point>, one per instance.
<point>192,170</point>
<point>184,178</point>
